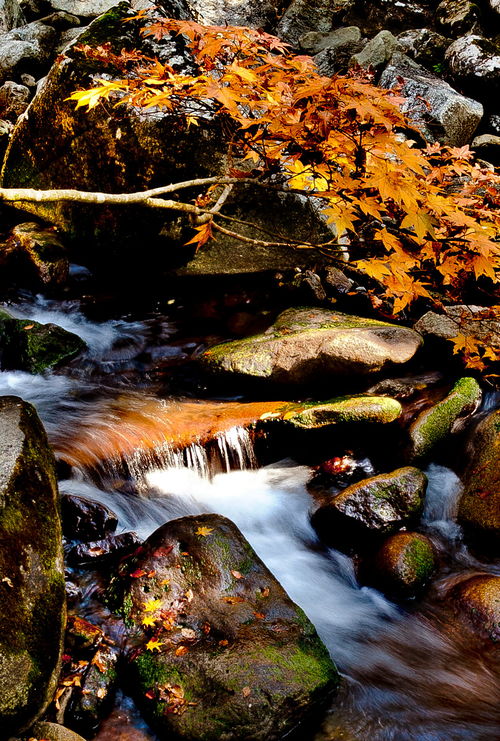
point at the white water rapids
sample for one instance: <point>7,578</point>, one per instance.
<point>409,677</point>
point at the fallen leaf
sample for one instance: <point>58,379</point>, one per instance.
<point>150,694</point>
<point>189,595</point>
<point>152,605</point>
<point>265,592</point>
<point>28,326</point>
<point>259,615</point>
<point>181,651</point>
<point>237,574</point>
<point>224,643</point>
<point>153,645</point>
<point>138,573</point>
<point>246,691</point>
<point>99,663</point>
<point>148,620</point>
<point>233,600</point>
<point>204,531</point>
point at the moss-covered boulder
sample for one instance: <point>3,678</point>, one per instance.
<point>479,508</point>
<point>32,596</point>
<point>434,425</point>
<point>34,347</point>
<point>52,732</point>
<point>402,566</point>
<point>477,604</point>
<point>42,261</point>
<point>344,410</point>
<point>306,344</point>
<point>217,650</point>
<point>371,509</point>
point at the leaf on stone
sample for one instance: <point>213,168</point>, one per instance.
<point>246,691</point>
<point>154,645</point>
<point>181,650</point>
<point>152,605</point>
<point>99,663</point>
<point>189,595</point>
<point>138,573</point>
<point>148,621</point>
<point>204,531</point>
<point>237,574</point>
<point>233,600</point>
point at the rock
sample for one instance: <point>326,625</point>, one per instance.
<point>111,150</point>
<point>45,259</point>
<point>474,64</point>
<point>33,347</point>
<point>83,8</point>
<point>11,15</point>
<point>216,647</point>
<point>82,637</point>
<point>403,565</point>
<point>14,100</point>
<point>67,37</point>
<point>84,519</point>
<point>61,20</point>
<point>433,105</point>
<point>389,15</point>
<point>457,17</point>
<point>26,49</point>
<point>462,320</point>
<point>102,551</point>
<point>495,5</point>
<point>405,388</point>
<point>310,345</point>
<point>5,132</point>
<point>377,52</point>
<point>477,602</point>
<point>346,410</point>
<point>479,507</point>
<point>434,425</point>
<point>337,281</point>
<point>54,732</point>
<point>303,16</point>
<point>424,46</point>
<point>91,702</point>
<point>333,50</point>
<point>253,13</point>
<point>315,41</point>
<point>487,146</point>
<point>31,566</point>
<point>374,507</point>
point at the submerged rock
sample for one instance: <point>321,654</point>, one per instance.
<point>479,507</point>
<point>374,507</point>
<point>439,111</point>
<point>34,347</point>
<point>91,701</point>
<point>477,602</point>
<point>216,647</point>
<point>433,426</point>
<point>403,565</point>
<point>32,594</point>
<point>311,345</point>
<point>346,410</point>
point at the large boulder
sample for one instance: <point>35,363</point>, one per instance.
<point>377,52</point>
<point>477,604</point>
<point>122,149</point>
<point>32,617</point>
<point>11,15</point>
<point>474,64</point>
<point>39,256</point>
<point>370,509</point>
<point>216,648</point>
<point>478,323</point>
<point>309,345</point>
<point>424,46</point>
<point>433,105</point>
<point>83,8</point>
<point>253,13</point>
<point>344,410</point>
<point>33,347</point>
<point>303,16</point>
<point>457,17</point>
<point>434,425</point>
<point>479,508</point>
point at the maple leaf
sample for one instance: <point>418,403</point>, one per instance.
<point>152,605</point>
<point>237,574</point>
<point>148,621</point>
<point>204,531</point>
<point>154,645</point>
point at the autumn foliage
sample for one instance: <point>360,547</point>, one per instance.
<point>422,222</point>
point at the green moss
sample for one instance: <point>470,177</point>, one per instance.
<point>126,610</point>
<point>293,665</point>
<point>191,569</point>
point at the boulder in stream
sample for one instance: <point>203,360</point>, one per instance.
<point>307,345</point>
<point>433,426</point>
<point>216,648</point>
<point>364,512</point>
<point>477,603</point>
<point>345,410</point>
<point>479,507</point>
<point>32,595</point>
<point>41,259</point>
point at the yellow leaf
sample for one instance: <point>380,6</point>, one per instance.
<point>152,605</point>
<point>153,645</point>
<point>204,531</point>
<point>148,620</point>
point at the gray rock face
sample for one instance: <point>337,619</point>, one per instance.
<point>83,8</point>
<point>306,345</point>
<point>303,16</point>
<point>377,52</point>
<point>437,109</point>
<point>14,100</point>
<point>487,146</point>
<point>25,49</point>
<point>235,658</point>
<point>32,618</point>
<point>381,15</point>
<point>459,319</point>
<point>424,46</point>
<point>372,508</point>
<point>456,17</point>
<point>316,41</point>
<point>474,63</point>
<point>11,15</point>
<point>253,13</point>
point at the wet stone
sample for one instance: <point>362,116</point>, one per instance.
<point>477,603</point>
<point>101,551</point>
<point>85,519</point>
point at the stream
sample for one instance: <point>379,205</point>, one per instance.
<point>410,674</point>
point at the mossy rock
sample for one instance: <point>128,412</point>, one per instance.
<point>370,509</point>
<point>32,593</point>
<point>307,344</point>
<point>403,565</point>
<point>433,426</point>
<point>479,507</point>
<point>345,410</point>
<point>477,604</point>
<point>52,732</point>
<point>234,657</point>
<point>34,347</point>
<point>44,262</point>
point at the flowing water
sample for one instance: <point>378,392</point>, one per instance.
<point>409,674</point>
